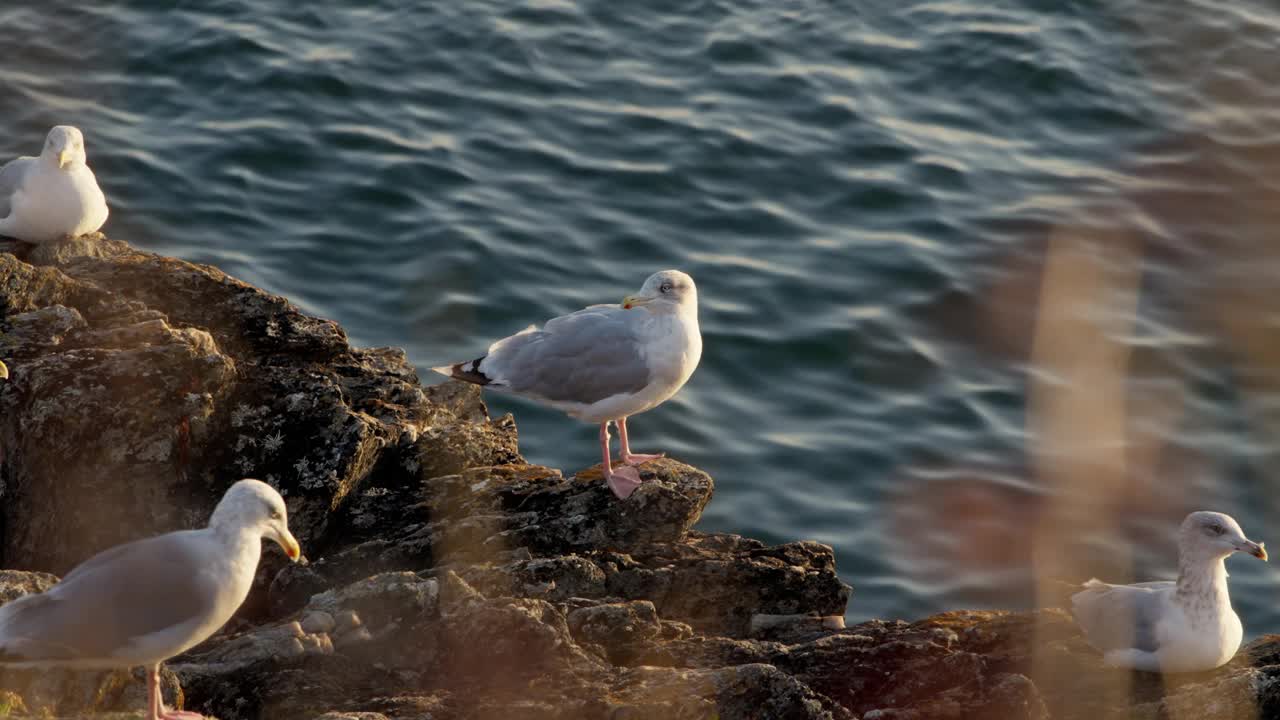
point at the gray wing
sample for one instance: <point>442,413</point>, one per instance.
<point>582,357</point>
<point>11,176</point>
<point>110,600</point>
<point>1118,617</point>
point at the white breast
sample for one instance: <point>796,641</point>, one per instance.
<point>53,204</point>
<point>672,354</point>
<point>1199,638</point>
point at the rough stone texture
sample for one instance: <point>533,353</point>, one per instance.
<point>181,379</point>
<point>16,583</point>
<point>446,577</point>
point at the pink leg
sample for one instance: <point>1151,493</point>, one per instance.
<point>622,481</point>
<point>158,711</point>
<point>629,457</point>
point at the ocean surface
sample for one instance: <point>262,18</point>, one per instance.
<point>988,289</point>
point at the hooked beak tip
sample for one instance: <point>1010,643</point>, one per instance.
<point>1259,551</point>
<point>291,548</point>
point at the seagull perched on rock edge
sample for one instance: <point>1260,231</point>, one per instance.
<point>602,364</point>
<point>1183,626</point>
<point>146,601</point>
<point>52,196</point>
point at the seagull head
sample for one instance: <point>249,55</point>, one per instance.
<point>668,291</point>
<point>1217,535</point>
<point>255,506</point>
<point>64,145</point>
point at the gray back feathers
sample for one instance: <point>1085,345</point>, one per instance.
<point>1117,617</point>
<point>11,176</point>
<point>107,602</point>
<point>583,357</point>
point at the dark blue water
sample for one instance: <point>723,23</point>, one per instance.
<point>988,288</point>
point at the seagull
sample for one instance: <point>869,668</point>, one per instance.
<point>602,364</point>
<point>53,196</point>
<point>146,601</point>
<point>1182,626</point>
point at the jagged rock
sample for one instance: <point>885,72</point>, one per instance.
<point>485,514</point>
<point>447,578</point>
<point>716,583</point>
<point>760,690</point>
<point>297,688</point>
<point>273,642</point>
<point>16,583</point>
<point>390,618</point>
<point>181,379</point>
<point>387,621</point>
<point>616,627</point>
<point>485,511</point>
<point>507,643</point>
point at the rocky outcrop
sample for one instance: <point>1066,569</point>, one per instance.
<point>447,578</point>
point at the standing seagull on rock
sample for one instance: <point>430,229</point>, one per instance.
<point>1183,626</point>
<point>53,196</point>
<point>602,364</point>
<point>146,601</point>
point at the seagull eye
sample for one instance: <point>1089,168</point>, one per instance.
<point>275,515</point>
<point>666,287</point>
<point>1217,529</point>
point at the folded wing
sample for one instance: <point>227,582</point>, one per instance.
<point>11,178</point>
<point>1121,617</point>
<point>583,357</point>
<point>110,604</point>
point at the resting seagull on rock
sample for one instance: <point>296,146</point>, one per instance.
<point>53,196</point>
<point>1183,626</point>
<point>602,364</point>
<point>146,601</point>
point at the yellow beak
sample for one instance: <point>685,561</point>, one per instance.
<point>64,158</point>
<point>4,371</point>
<point>290,545</point>
<point>631,301</point>
<point>1259,552</point>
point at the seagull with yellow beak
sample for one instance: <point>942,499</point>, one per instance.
<point>52,196</point>
<point>602,364</point>
<point>146,601</point>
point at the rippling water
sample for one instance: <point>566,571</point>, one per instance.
<point>987,287</point>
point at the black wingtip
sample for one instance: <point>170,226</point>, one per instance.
<point>466,371</point>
